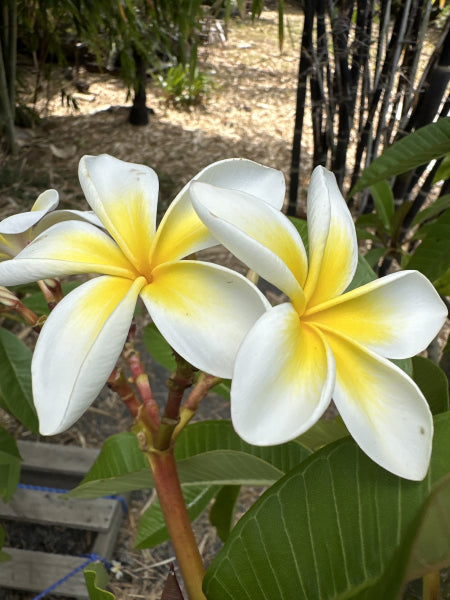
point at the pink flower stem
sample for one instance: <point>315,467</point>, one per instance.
<point>167,485</point>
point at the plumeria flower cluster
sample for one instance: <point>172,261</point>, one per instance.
<point>203,310</point>
<point>286,362</point>
<point>325,342</point>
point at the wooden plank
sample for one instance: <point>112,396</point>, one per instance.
<point>44,464</point>
<point>37,571</point>
<point>105,542</point>
<point>54,509</point>
<point>68,460</point>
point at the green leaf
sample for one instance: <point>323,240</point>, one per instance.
<point>210,436</point>
<point>227,467</point>
<point>152,529</point>
<point>120,467</point>
<point>15,380</point>
<point>158,348</point>
<point>96,578</point>
<point>383,200</point>
<point>10,462</point>
<point>223,388</point>
<point>373,255</point>
<point>322,433</point>
<point>329,529</point>
<point>302,227</point>
<point>424,548</point>
<point>209,452</point>
<point>433,383</point>
<point>364,274</point>
<point>221,515</point>
<point>438,206</point>
<point>417,148</point>
<point>405,364</point>
<point>432,257</point>
<point>443,171</point>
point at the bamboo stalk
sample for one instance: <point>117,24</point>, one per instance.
<point>303,73</point>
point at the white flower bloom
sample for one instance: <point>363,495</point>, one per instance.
<point>202,310</point>
<point>326,343</point>
<point>17,231</point>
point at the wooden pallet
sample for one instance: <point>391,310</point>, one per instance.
<point>61,467</point>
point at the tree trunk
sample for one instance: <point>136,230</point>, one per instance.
<point>139,111</point>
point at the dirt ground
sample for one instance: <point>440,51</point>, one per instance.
<point>249,113</point>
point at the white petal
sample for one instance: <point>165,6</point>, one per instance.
<point>258,234</point>
<point>203,311</point>
<point>78,348</point>
<point>182,233</point>
<point>58,216</point>
<point>283,379</point>
<point>333,247</point>
<point>397,316</point>
<point>67,248</point>
<point>383,409</point>
<point>124,196</point>
<point>246,176</point>
<point>16,224</point>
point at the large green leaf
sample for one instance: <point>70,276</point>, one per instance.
<point>10,461</point>
<point>383,200</point>
<point>152,529</point>
<point>431,211</point>
<point>120,467</point>
<point>432,257</point>
<point>329,529</point>
<point>433,383</point>
<point>323,432</point>
<point>15,380</point>
<point>209,452</point>
<point>417,148</point>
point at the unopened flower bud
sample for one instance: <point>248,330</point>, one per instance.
<point>8,298</point>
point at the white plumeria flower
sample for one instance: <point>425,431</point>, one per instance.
<point>17,231</point>
<point>202,310</point>
<point>326,343</point>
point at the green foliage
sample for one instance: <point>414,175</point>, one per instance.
<point>221,515</point>
<point>160,351</point>
<point>433,383</point>
<point>339,526</point>
<point>432,257</point>
<point>417,148</point>
<point>96,579</point>
<point>209,456</point>
<point>207,453</point>
<point>152,528</point>
<point>15,380</point>
<point>389,224</point>
<point>184,84</point>
<point>9,465</point>
<point>158,348</point>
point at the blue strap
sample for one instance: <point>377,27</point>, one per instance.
<point>93,557</point>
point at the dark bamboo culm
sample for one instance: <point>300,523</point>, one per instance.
<point>360,76</point>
